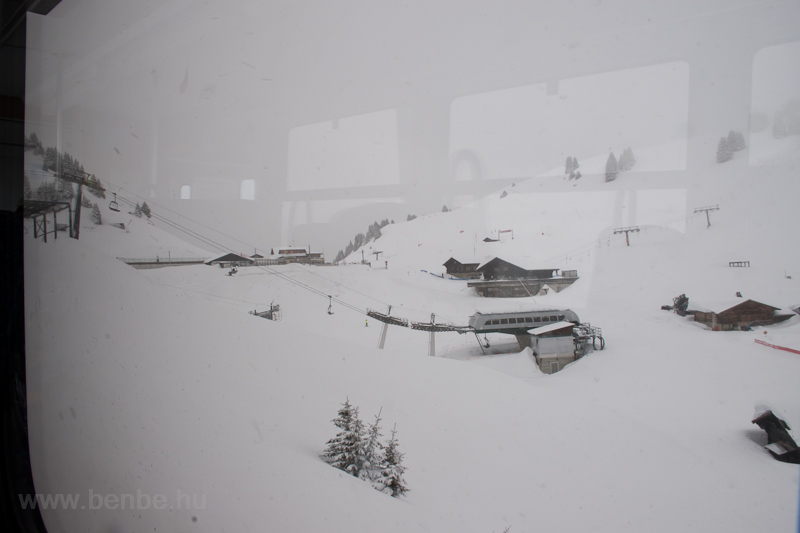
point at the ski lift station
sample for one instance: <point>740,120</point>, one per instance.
<point>556,336</point>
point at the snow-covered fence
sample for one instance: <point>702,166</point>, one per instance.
<point>777,347</point>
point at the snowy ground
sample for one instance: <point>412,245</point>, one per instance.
<point>160,381</point>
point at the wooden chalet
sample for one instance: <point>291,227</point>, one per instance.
<point>300,255</point>
<point>499,269</point>
<point>502,279</point>
<point>462,270</point>
<point>743,315</point>
<point>230,259</point>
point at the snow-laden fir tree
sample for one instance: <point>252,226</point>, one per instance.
<point>64,189</point>
<point>410,217</point>
<point>137,210</point>
<point>85,202</point>
<point>626,160</point>
<point>444,209</point>
<point>96,218</point>
<point>568,168</point>
<point>27,191</point>
<point>724,152</point>
<point>736,141</point>
<point>390,480</point>
<point>346,450</point>
<point>145,209</point>
<point>373,452</point>
<point>611,167</point>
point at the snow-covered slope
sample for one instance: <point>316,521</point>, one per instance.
<point>161,382</point>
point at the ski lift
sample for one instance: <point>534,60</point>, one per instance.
<point>114,206</point>
<point>485,341</point>
<point>330,304</point>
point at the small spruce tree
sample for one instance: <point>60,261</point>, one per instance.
<point>27,192</point>
<point>146,209</point>
<point>96,218</point>
<point>724,152</point>
<point>373,453</point>
<point>444,209</point>
<point>346,450</point>
<point>611,167</point>
<point>391,475</point>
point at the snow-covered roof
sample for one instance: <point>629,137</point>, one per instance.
<point>523,262</point>
<point>723,304</point>
<point>551,327</point>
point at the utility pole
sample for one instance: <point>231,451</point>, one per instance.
<point>707,209</point>
<point>382,340</point>
<point>432,341</point>
<point>634,229</point>
<point>362,257</point>
<point>81,178</point>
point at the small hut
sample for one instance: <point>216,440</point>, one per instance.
<point>230,259</point>
<point>553,346</point>
<point>462,270</point>
<point>741,316</point>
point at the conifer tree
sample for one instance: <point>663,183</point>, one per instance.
<point>444,209</point>
<point>568,168</point>
<point>373,453</point>
<point>724,152</point>
<point>138,210</point>
<point>626,160</point>
<point>85,202</point>
<point>391,475</point>
<point>96,218</point>
<point>27,192</point>
<point>736,141</point>
<point>410,217</point>
<point>146,209</point>
<point>346,450</point>
<point>611,167</point>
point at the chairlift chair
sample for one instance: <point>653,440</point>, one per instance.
<point>114,206</point>
<point>330,305</point>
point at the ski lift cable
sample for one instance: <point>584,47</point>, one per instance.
<point>179,214</point>
<point>221,247</point>
<point>340,284</point>
<point>190,232</point>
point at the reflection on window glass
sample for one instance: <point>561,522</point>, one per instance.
<point>530,131</point>
<point>347,152</point>
<point>775,110</point>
